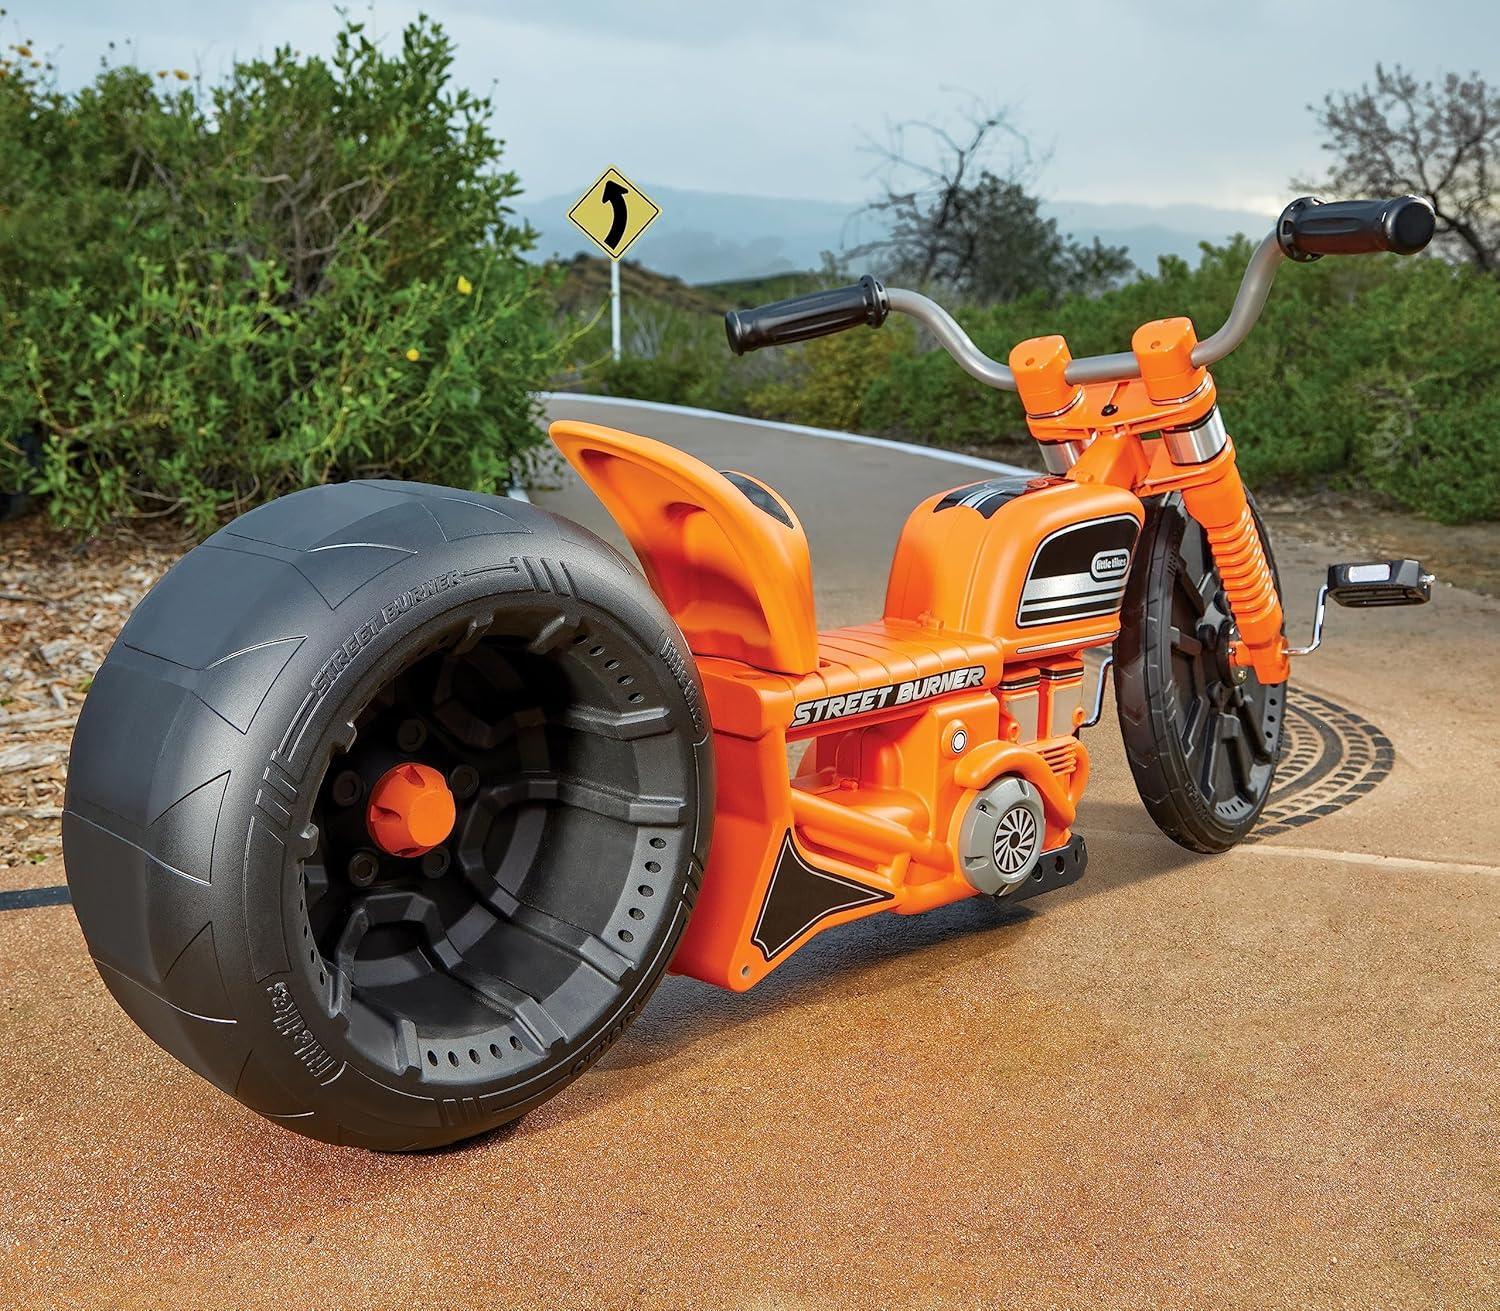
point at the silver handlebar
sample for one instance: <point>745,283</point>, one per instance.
<point>1255,286</point>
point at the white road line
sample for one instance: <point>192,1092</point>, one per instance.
<point>797,430</point>
<point>1397,864</point>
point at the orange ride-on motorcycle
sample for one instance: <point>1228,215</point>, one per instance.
<point>392,803</point>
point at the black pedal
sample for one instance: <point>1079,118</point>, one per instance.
<point>1380,582</point>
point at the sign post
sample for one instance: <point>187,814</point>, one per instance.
<point>612,214</point>
<point>614,308</point>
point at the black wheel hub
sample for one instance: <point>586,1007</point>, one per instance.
<point>517,933</point>
<point>1229,722</point>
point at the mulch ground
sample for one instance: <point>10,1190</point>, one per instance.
<point>61,604</point>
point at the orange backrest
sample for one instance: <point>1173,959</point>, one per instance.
<point>726,555</point>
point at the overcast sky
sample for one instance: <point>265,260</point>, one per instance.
<point>1147,102</point>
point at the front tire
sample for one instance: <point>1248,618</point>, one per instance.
<point>1202,746</point>
<point>215,833</point>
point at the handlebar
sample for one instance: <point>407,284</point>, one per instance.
<point>1306,230</point>
<point>1309,228</point>
<point>814,315</point>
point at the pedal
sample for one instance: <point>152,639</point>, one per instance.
<point>1374,582</point>
<point>1383,582</point>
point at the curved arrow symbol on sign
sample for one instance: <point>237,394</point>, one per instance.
<point>614,195</point>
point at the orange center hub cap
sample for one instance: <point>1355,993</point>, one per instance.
<point>411,810</point>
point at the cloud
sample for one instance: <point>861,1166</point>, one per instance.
<point>1158,102</point>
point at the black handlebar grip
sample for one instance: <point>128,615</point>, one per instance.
<point>815,315</point>
<point>1309,228</point>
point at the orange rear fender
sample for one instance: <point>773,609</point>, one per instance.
<point>726,555</point>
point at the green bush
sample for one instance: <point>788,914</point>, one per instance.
<point>307,273</point>
<point>827,382</point>
<point>654,378</point>
<point>671,354</point>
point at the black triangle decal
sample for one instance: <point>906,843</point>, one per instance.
<point>799,896</point>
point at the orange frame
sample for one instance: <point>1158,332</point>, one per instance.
<point>907,719</point>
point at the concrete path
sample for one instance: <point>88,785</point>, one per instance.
<point>1267,1079</point>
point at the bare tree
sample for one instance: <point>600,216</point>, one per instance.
<point>1438,140</point>
<point>960,224</point>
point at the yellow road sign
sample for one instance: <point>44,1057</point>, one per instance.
<point>613,213</point>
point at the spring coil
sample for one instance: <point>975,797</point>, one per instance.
<point>1248,583</point>
<point>1223,509</point>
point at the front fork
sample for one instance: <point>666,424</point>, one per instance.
<point>1223,510</point>
<point>1197,461</point>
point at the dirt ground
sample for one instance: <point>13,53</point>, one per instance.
<point>1269,1079</point>
<point>1465,555</point>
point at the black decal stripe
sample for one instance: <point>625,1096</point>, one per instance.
<point>1071,550</point>
<point>1081,610</point>
<point>1093,594</point>
<point>758,496</point>
<point>985,497</point>
<point>800,896</point>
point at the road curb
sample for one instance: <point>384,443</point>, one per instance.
<point>795,429</point>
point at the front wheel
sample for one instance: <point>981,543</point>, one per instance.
<point>1202,738</point>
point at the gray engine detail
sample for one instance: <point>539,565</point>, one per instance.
<point>1000,839</point>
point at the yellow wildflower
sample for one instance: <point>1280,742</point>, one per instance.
<point>24,51</point>
<point>414,355</point>
<point>161,72</point>
<point>464,285</point>
<point>180,74</point>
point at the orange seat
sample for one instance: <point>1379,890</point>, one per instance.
<point>853,665</point>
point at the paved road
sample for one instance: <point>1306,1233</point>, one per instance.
<point>852,496</point>
<point>1268,1079</point>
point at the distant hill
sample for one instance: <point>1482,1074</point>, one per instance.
<point>715,237</point>
<point>585,286</point>
<point>1150,231</point>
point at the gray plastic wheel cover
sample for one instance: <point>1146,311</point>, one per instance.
<point>1000,839</point>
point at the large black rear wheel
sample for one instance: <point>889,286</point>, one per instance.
<point>1202,738</point>
<point>225,863</point>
